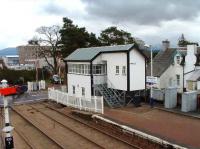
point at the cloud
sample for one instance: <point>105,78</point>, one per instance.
<point>53,8</point>
<point>146,12</point>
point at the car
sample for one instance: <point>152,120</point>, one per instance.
<point>56,79</point>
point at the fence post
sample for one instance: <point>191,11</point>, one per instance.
<point>102,105</point>
<point>80,103</point>
<point>95,103</point>
<point>67,99</point>
<point>56,96</point>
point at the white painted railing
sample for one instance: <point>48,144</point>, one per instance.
<point>94,104</point>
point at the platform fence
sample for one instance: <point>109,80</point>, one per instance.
<point>94,104</point>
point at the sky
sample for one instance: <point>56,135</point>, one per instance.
<point>149,20</point>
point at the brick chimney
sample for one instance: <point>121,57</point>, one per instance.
<point>165,45</point>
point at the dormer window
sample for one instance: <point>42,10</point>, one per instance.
<point>178,59</point>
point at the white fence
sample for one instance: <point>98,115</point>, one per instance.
<point>94,104</point>
<point>34,86</point>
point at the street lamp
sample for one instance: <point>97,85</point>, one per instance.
<point>151,83</point>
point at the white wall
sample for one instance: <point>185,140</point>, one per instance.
<point>115,59</point>
<point>190,58</point>
<point>170,76</point>
<point>137,71</point>
<point>79,81</point>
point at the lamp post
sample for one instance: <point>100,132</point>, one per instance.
<point>151,71</point>
<point>151,83</point>
<point>8,128</point>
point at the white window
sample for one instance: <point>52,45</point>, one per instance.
<point>178,80</point>
<point>87,69</point>
<point>99,69</point>
<point>73,89</point>
<point>79,68</point>
<point>117,70</point>
<point>124,70</point>
<point>83,91</point>
<point>178,59</point>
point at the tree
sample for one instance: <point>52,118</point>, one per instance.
<point>73,37</point>
<point>113,36</point>
<point>182,42</point>
<point>49,45</point>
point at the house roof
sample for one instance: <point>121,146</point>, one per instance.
<point>195,76</point>
<point>161,62</point>
<point>87,54</point>
<point>164,59</point>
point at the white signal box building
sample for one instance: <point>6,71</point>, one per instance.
<point>108,71</point>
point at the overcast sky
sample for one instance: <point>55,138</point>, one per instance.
<point>150,20</point>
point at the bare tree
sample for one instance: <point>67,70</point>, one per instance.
<point>49,38</point>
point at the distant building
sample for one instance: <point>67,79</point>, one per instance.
<point>11,60</point>
<point>28,54</point>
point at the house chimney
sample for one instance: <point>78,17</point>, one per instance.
<point>192,49</point>
<point>165,45</point>
<point>190,59</point>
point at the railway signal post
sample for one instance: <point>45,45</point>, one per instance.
<point>5,91</point>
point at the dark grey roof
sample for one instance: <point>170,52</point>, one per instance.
<point>164,59</point>
<point>87,54</point>
<point>195,76</point>
<point>161,62</point>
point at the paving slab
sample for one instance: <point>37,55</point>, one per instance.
<point>173,127</point>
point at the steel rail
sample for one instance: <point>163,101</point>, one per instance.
<point>93,142</point>
<point>90,126</point>
<point>40,130</point>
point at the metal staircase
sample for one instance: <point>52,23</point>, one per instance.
<point>110,95</point>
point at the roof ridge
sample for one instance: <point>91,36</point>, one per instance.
<point>107,46</point>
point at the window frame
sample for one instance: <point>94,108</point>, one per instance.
<point>178,59</point>
<point>117,69</point>
<point>178,78</point>
<point>124,70</point>
<point>83,91</point>
<point>83,69</point>
<point>73,89</point>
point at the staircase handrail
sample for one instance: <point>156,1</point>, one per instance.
<point>115,91</point>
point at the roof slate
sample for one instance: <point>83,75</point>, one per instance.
<point>164,59</point>
<point>161,62</point>
<point>86,54</point>
<point>195,76</point>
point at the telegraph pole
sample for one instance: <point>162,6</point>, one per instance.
<point>9,143</point>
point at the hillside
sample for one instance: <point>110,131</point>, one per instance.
<point>9,51</point>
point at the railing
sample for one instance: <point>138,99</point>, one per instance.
<point>115,91</point>
<point>94,104</point>
<point>98,81</point>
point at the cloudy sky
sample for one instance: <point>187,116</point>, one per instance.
<point>150,20</point>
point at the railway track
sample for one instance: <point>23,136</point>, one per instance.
<point>17,133</point>
<point>95,145</point>
<point>100,146</point>
<point>30,142</point>
<point>25,139</point>
<point>86,124</point>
